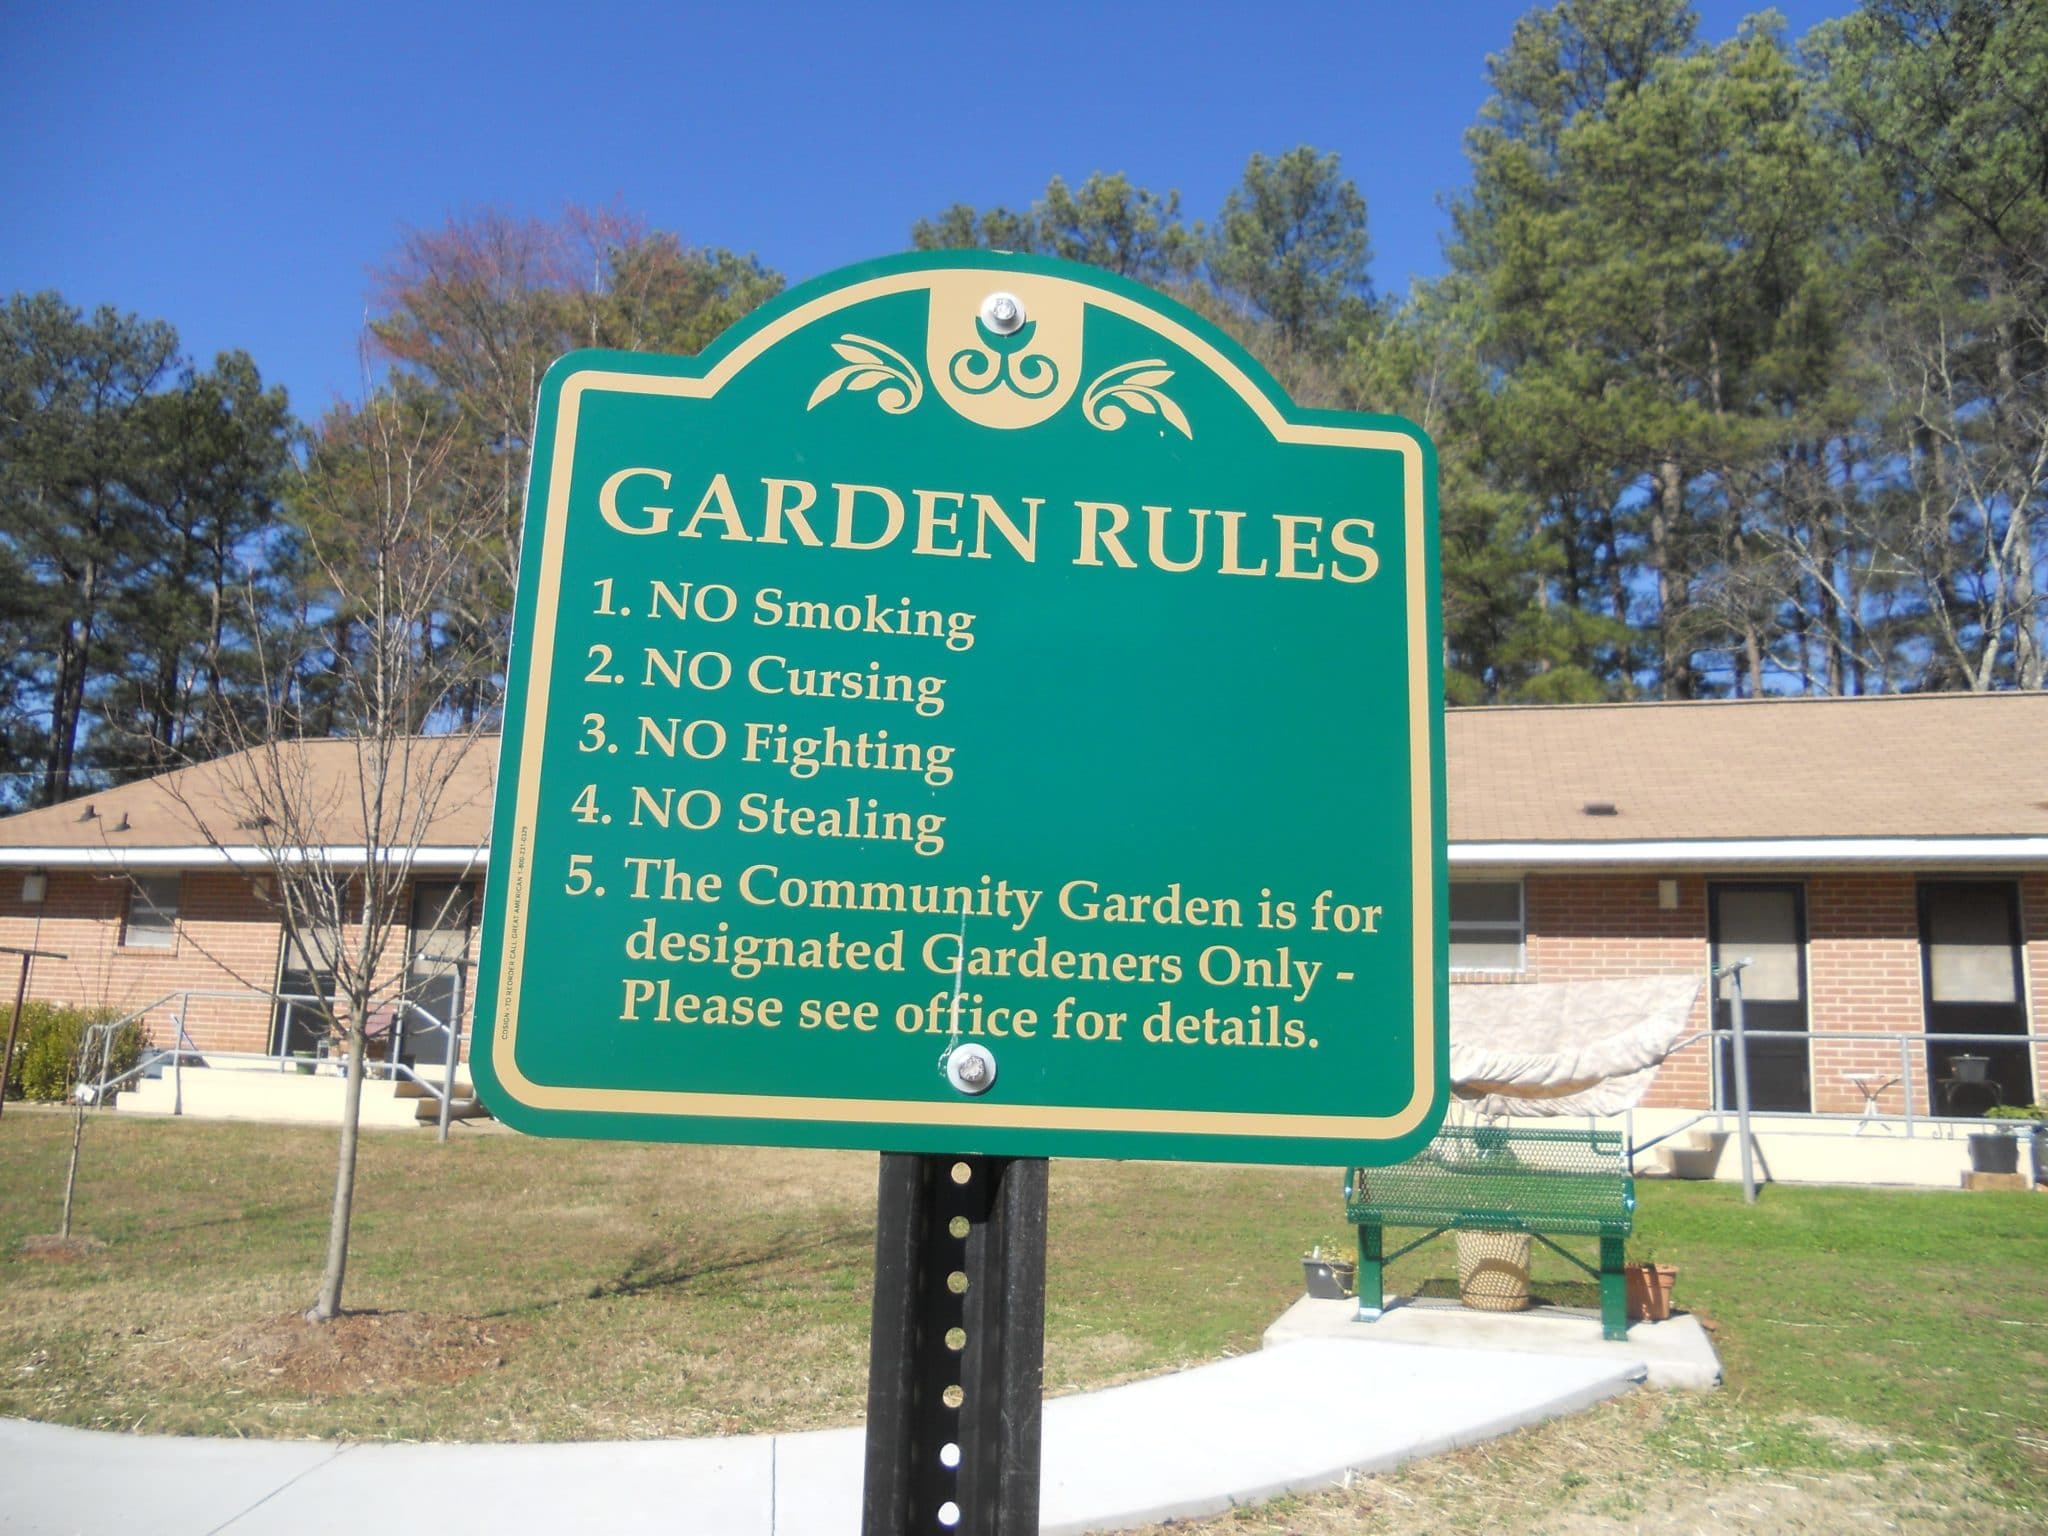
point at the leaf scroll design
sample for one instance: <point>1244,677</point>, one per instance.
<point>871,364</point>
<point>1107,403</point>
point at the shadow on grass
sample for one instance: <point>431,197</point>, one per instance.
<point>660,1267</point>
<point>279,1215</point>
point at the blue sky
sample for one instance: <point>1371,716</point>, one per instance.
<point>238,169</point>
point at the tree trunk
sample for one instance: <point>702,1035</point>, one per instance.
<point>216,625</point>
<point>1802,638</point>
<point>1571,578</point>
<point>67,697</point>
<point>56,761</point>
<point>1669,512</point>
<point>1617,590</point>
<point>1833,637</point>
<point>71,1172</point>
<point>328,1306</point>
<point>165,712</point>
<point>1854,680</point>
<point>2029,665</point>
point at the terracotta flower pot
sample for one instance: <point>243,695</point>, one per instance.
<point>1649,1291</point>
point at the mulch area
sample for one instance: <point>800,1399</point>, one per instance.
<point>365,1351</point>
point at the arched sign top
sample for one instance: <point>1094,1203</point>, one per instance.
<point>970,651</point>
<point>1056,297</point>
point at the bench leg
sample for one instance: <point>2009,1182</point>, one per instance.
<point>1371,1295</point>
<point>1613,1292</point>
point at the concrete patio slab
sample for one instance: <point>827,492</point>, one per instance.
<point>1677,1353</point>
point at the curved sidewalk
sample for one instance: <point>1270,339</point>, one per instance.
<point>1287,1419</point>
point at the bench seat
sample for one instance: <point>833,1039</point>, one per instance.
<point>1546,1182</point>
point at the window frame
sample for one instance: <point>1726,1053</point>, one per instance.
<point>1488,930</point>
<point>167,927</point>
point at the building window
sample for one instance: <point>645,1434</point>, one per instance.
<point>1486,925</point>
<point>437,950</point>
<point>152,921</point>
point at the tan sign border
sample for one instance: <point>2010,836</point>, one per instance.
<point>966,1113</point>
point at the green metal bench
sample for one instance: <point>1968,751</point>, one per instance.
<point>1493,1178</point>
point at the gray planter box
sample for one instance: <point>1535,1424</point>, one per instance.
<point>1328,1279</point>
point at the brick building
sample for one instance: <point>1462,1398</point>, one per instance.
<point>1881,863</point>
<point>157,917</point>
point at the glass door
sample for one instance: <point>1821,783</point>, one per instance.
<point>305,978</point>
<point>1970,978</point>
<point>437,942</point>
<point>1765,925</point>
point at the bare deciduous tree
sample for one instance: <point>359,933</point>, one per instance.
<point>358,756</point>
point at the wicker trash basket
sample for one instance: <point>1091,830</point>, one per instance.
<point>1493,1270</point>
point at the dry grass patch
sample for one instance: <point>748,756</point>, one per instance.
<point>359,1352</point>
<point>630,1290</point>
<point>1607,1472</point>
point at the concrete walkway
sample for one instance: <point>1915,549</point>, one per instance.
<point>1290,1418</point>
<point>1676,1352</point>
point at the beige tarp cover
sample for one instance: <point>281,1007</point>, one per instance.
<point>1565,1047</point>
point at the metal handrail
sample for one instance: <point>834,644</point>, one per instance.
<point>96,1092</point>
<point>102,1085</point>
<point>1910,1080</point>
<point>1637,1148</point>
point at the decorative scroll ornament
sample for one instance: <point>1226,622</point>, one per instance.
<point>1006,382</point>
<point>1135,385</point>
<point>870,364</point>
<point>1001,362</point>
<point>999,380</point>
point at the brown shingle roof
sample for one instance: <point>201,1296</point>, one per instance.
<point>1914,765</point>
<point>167,811</point>
<point>1924,765</point>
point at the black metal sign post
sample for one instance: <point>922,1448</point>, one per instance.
<point>957,1364</point>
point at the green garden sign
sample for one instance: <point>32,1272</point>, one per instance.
<point>970,709</point>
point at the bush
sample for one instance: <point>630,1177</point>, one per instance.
<point>2017,1112</point>
<point>46,1049</point>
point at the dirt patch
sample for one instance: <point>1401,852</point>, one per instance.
<point>52,1249</point>
<point>365,1351</point>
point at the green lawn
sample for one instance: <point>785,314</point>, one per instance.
<point>1922,1315</point>
<point>628,1290</point>
<point>516,1289</point>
